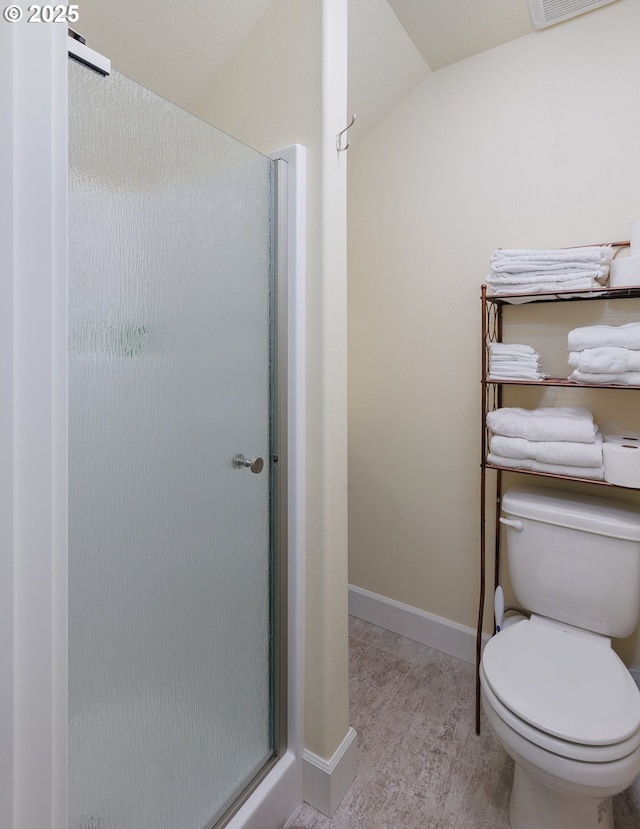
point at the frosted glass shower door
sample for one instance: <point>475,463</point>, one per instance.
<point>171,222</point>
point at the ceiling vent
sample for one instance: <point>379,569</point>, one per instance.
<point>547,12</point>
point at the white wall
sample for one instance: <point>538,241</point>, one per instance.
<point>532,144</point>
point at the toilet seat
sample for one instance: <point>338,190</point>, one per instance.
<point>553,745</point>
<point>564,689</point>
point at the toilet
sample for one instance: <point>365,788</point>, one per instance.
<point>558,697</point>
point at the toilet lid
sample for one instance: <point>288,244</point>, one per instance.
<point>564,682</point>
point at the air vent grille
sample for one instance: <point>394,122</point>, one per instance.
<point>547,12</point>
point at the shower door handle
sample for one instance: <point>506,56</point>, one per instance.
<point>256,465</point>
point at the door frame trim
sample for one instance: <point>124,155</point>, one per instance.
<point>33,426</point>
<point>279,792</point>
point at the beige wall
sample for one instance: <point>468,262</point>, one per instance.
<point>288,85</point>
<point>532,144</point>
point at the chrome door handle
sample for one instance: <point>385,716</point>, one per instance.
<point>256,465</point>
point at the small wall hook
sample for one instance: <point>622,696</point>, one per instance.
<point>339,146</point>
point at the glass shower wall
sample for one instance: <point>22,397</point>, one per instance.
<point>171,709</point>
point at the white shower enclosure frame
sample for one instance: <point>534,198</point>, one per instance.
<point>33,445</point>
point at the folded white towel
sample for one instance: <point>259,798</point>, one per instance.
<point>555,275</point>
<point>497,373</point>
<point>555,423</point>
<point>586,283</point>
<point>586,253</point>
<point>514,361</point>
<point>592,473</point>
<point>624,378</point>
<point>498,377</point>
<point>523,297</point>
<point>564,453</point>
<point>601,336</point>
<point>515,370</point>
<point>512,348</point>
<point>523,271</point>
<point>523,363</point>
<point>506,259</point>
<point>514,355</point>
<point>509,370</point>
<point>606,360</point>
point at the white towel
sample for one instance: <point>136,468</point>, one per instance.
<point>556,423</point>
<point>514,361</point>
<point>562,275</point>
<point>564,453</point>
<point>522,362</point>
<point>514,365</point>
<point>601,336</point>
<point>586,283</point>
<point>606,360</point>
<point>497,377</point>
<point>514,355</point>
<point>515,370</point>
<point>625,378</point>
<point>512,349</point>
<point>515,373</point>
<point>505,259</point>
<point>522,271</point>
<point>588,253</point>
<point>593,473</point>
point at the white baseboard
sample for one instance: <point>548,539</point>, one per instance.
<point>434,631</point>
<point>325,782</point>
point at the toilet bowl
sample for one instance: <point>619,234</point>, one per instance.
<point>567,711</point>
<point>558,697</point>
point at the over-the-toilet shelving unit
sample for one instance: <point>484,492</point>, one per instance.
<point>492,307</point>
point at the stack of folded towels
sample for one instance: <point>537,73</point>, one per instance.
<point>608,354</point>
<point>512,361</point>
<point>533,271</point>
<point>558,441</point>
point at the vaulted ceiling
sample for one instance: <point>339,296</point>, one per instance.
<point>178,48</point>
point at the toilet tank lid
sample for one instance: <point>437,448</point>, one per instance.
<point>603,516</point>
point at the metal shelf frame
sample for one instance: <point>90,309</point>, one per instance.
<point>492,399</point>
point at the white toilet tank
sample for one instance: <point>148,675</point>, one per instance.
<point>574,558</point>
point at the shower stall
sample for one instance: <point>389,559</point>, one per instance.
<point>154,487</point>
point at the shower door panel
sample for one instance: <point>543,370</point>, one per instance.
<point>170,544</point>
